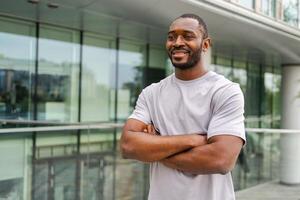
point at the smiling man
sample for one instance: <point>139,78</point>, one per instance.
<point>190,125</point>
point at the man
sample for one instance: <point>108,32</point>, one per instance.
<point>190,125</point>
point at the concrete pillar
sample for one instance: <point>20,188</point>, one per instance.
<point>290,143</point>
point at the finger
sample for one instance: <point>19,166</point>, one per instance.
<point>151,129</point>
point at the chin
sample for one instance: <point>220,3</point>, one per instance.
<point>183,66</point>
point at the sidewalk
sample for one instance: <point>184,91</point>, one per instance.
<point>270,191</point>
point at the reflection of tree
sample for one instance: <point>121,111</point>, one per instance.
<point>14,91</point>
<point>290,12</point>
<point>136,86</point>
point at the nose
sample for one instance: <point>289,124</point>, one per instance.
<point>179,41</point>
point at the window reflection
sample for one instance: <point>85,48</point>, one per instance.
<point>222,66</point>
<point>252,100</point>
<point>98,77</point>
<point>276,97</point>
<point>17,54</point>
<point>268,7</point>
<point>267,99</point>
<point>240,74</point>
<point>58,74</point>
<point>132,60</point>
<point>290,12</point>
<point>247,3</point>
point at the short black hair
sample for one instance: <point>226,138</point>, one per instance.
<point>201,22</point>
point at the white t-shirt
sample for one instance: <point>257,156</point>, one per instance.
<point>210,104</point>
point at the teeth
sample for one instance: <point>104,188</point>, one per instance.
<point>179,52</point>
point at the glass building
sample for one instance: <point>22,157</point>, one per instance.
<point>70,62</point>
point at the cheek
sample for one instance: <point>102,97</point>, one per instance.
<point>196,47</point>
<point>168,45</point>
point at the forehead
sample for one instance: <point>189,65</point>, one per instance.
<point>185,24</point>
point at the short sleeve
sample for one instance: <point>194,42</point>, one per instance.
<point>228,113</point>
<point>141,111</point>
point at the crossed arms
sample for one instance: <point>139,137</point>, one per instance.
<point>191,153</point>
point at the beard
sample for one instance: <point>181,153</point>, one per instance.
<point>193,59</point>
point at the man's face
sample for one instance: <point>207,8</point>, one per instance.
<point>184,43</point>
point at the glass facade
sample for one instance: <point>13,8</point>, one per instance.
<point>80,76</point>
<point>247,3</point>
<point>260,85</point>
<point>17,68</point>
<point>259,160</point>
<point>291,12</point>
<point>268,7</point>
<point>59,74</point>
<point>287,11</point>
<point>98,78</point>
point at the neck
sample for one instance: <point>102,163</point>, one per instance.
<point>190,74</point>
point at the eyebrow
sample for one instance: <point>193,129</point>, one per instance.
<point>184,31</point>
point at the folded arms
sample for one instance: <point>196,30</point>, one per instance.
<point>191,153</point>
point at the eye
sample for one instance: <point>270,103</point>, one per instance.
<point>188,36</point>
<point>171,37</point>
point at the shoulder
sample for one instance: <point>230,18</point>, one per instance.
<point>223,89</point>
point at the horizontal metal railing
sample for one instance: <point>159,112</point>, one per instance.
<point>61,128</point>
<point>101,125</point>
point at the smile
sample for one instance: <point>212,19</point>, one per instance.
<point>179,52</point>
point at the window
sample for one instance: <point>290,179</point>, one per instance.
<point>58,74</point>
<point>247,3</point>
<point>291,12</point>
<point>268,7</point>
<point>17,66</point>
<point>132,61</point>
<point>98,78</point>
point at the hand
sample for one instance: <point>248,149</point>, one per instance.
<point>199,139</point>
<point>150,130</point>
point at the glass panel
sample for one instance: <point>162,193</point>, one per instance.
<point>157,57</point>
<point>276,110</point>
<point>17,61</point>
<point>132,61</point>
<point>54,144</point>
<point>15,167</point>
<point>64,179</point>
<point>40,186</point>
<point>98,173</point>
<point>132,178</point>
<point>268,7</point>
<point>98,78</point>
<point>156,70</point>
<point>291,12</point>
<point>240,74</point>
<point>97,177</point>
<point>58,74</point>
<point>223,66</point>
<point>247,3</point>
<point>267,98</point>
<point>93,141</point>
<point>258,162</point>
<point>253,96</point>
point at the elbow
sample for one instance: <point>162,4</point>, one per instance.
<point>224,166</point>
<point>126,149</point>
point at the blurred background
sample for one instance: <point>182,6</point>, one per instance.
<point>71,72</point>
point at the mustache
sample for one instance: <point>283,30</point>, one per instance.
<point>179,48</point>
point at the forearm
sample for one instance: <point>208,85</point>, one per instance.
<point>196,161</point>
<point>210,158</point>
<point>149,148</point>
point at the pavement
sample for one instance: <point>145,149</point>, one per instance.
<point>270,191</point>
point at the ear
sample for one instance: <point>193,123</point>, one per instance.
<point>206,44</point>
